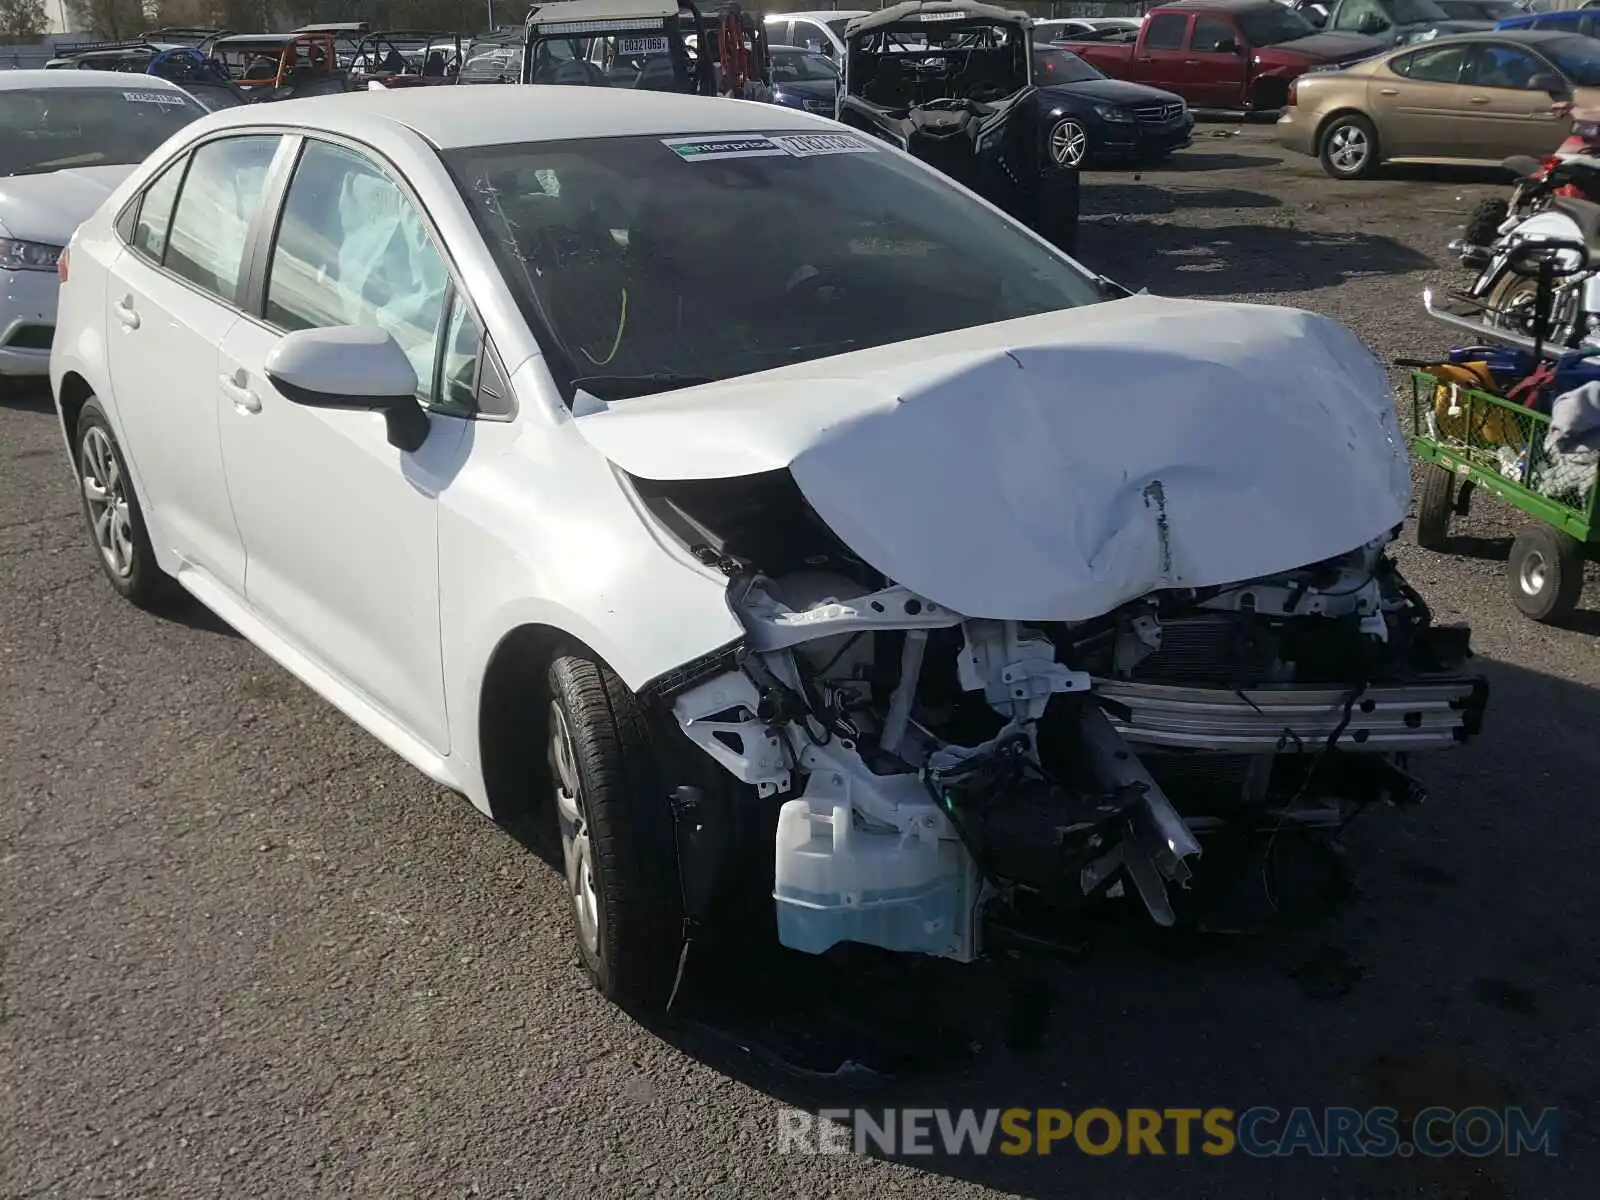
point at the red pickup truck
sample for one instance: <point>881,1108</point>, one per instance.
<point>1225,54</point>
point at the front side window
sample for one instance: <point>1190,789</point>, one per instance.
<point>219,200</point>
<point>1211,34</point>
<point>1577,57</point>
<point>352,250</point>
<point>617,251</point>
<point>1502,66</point>
<point>48,129</point>
<point>1273,25</point>
<point>1361,15</point>
<point>155,212</point>
<point>1165,31</point>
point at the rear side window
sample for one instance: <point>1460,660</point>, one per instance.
<point>155,212</point>
<point>1439,65</point>
<point>1165,31</point>
<point>220,198</point>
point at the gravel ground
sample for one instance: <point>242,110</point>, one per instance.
<point>244,951</point>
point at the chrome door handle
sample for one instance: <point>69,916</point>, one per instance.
<point>126,314</point>
<point>244,400</point>
<point>1388,91</point>
<point>1477,99</point>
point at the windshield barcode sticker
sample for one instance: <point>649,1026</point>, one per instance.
<point>171,98</point>
<point>762,145</point>
<point>806,145</point>
<point>726,145</point>
<point>630,47</point>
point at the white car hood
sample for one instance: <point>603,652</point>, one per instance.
<point>1055,467</point>
<point>49,208</point>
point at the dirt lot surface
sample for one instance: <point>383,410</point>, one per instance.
<point>245,951</point>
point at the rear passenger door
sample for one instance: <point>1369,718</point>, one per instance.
<point>340,527</point>
<point>1419,106</point>
<point>172,298</point>
<point>1509,115</point>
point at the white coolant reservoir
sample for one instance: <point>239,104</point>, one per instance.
<point>837,882</point>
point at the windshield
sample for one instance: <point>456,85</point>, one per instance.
<point>1415,12</point>
<point>1272,24</point>
<point>1578,58</point>
<point>801,64</point>
<point>626,60</point>
<point>52,128</point>
<point>1058,66</point>
<point>644,263</point>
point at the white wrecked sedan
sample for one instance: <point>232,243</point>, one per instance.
<point>787,524</point>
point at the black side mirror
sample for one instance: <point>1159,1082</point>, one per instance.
<point>1555,86</point>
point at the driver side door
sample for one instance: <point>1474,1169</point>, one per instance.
<point>339,526</point>
<point>1215,65</point>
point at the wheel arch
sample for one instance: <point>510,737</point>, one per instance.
<point>1348,110</point>
<point>74,393</point>
<point>513,721</point>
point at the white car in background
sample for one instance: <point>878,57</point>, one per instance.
<point>67,139</point>
<point>876,577</point>
<point>821,31</point>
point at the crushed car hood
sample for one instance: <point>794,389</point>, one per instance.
<point>50,207</point>
<point>1056,466</point>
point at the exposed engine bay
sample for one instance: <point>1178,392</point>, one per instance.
<point>930,768</point>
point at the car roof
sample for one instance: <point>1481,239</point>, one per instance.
<point>1214,5</point>
<point>32,80</point>
<point>821,14</point>
<point>1528,37</point>
<point>600,10</point>
<point>478,116</point>
<point>908,11</point>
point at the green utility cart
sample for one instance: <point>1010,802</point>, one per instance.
<point>1469,439</point>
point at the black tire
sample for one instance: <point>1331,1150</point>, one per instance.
<point>137,579</point>
<point>636,921</point>
<point>1545,573</point>
<point>1484,221</point>
<point>1331,147</point>
<point>1434,506</point>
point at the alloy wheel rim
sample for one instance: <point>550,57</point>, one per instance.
<point>105,491</point>
<point>1348,148</point>
<point>577,850</point>
<point>1068,142</point>
<point>1533,574</point>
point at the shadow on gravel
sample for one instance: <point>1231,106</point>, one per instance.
<point>27,395</point>
<point>1150,199</point>
<point>1456,973</point>
<point>1245,259</point>
<point>1203,156</point>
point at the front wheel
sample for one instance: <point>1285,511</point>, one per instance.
<point>1434,507</point>
<point>1483,223</point>
<point>1545,573</point>
<point>617,837</point>
<point>1349,147</point>
<point>1069,143</point>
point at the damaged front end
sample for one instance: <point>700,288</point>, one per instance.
<point>932,768</point>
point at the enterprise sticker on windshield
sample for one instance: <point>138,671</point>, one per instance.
<point>154,98</point>
<point>760,145</point>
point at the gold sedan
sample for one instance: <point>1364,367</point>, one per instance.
<point>1474,98</point>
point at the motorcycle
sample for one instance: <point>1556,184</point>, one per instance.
<point>1573,171</point>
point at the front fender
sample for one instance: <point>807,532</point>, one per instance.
<point>539,529</point>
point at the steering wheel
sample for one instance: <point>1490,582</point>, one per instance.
<point>953,103</point>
